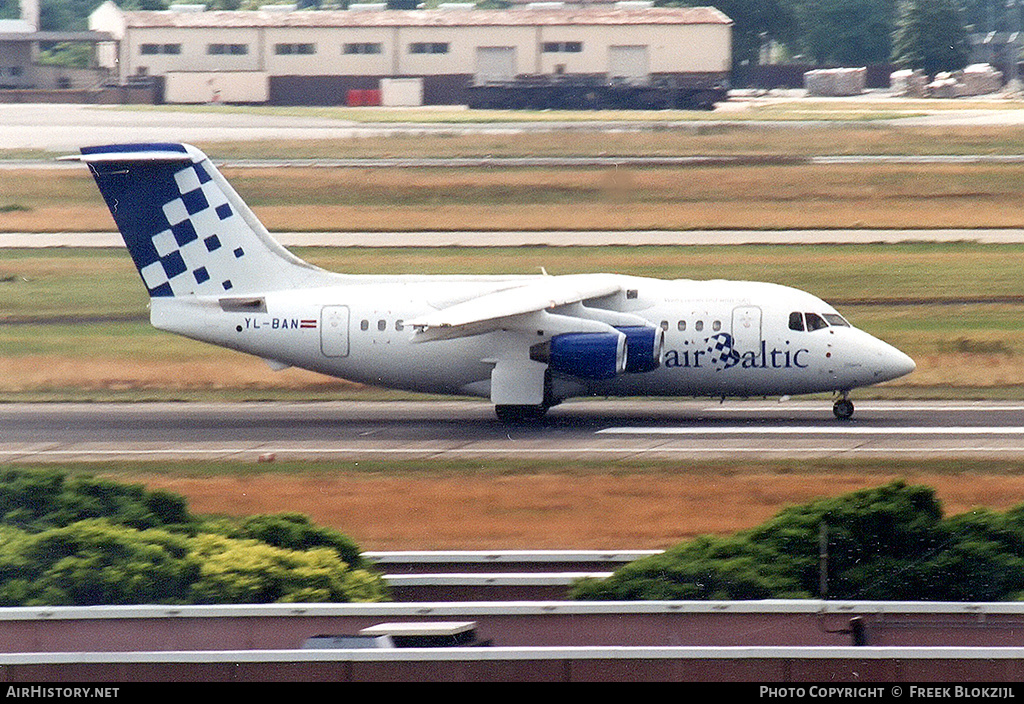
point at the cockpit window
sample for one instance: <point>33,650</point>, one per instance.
<point>836,320</point>
<point>815,322</point>
<point>796,321</point>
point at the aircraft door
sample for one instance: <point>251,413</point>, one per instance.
<point>746,329</point>
<point>334,331</point>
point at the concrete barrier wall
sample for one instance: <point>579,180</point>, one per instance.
<point>517,624</point>
<point>778,665</point>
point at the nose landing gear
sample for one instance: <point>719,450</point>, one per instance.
<point>843,408</point>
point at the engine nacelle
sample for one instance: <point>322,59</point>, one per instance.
<point>645,347</point>
<point>588,355</point>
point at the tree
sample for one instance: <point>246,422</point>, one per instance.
<point>930,35</point>
<point>10,9</point>
<point>843,32</point>
<point>886,543</point>
<point>249,571</point>
<point>95,562</point>
<point>80,540</point>
<point>295,531</point>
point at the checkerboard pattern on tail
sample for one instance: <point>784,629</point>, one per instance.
<point>187,230</point>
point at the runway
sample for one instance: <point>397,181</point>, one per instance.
<point>65,126</point>
<point>591,429</point>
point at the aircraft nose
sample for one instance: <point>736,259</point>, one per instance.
<point>891,363</point>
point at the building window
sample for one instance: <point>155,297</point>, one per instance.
<point>362,48</point>
<point>230,49</point>
<point>290,49</point>
<point>562,47</point>
<point>150,49</point>
<point>428,48</point>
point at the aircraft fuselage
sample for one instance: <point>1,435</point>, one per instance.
<point>721,338</point>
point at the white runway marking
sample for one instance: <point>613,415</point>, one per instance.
<point>799,430</point>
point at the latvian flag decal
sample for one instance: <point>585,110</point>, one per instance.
<point>307,324</point>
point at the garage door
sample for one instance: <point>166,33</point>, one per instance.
<point>628,63</point>
<point>495,63</point>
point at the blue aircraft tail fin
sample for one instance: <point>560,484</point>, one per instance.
<point>188,231</point>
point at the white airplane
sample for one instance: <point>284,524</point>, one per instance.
<point>215,274</point>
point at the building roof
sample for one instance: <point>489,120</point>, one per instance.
<point>430,18</point>
<point>55,36</point>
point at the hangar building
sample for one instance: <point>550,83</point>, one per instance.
<point>288,57</point>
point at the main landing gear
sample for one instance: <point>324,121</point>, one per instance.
<point>520,414</point>
<point>843,408</point>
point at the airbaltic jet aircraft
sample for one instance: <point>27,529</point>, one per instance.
<point>215,274</point>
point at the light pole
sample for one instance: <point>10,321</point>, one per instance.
<point>1013,46</point>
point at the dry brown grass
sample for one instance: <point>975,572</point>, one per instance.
<point>558,511</point>
<point>233,371</point>
<point>675,140</point>
<point>893,196</point>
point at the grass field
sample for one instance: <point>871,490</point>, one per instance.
<point>963,345</point>
<point>416,505</point>
<point>721,197</point>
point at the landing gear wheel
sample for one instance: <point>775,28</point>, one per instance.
<point>520,414</point>
<point>843,409</point>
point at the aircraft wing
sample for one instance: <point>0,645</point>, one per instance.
<point>511,308</point>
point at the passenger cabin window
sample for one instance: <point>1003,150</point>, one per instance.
<point>717,325</point>
<point>681,326</point>
<point>796,321</point>
<point>699,325</point>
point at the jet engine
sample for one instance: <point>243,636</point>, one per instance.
<point>645,347</point>
<point>587,355</point>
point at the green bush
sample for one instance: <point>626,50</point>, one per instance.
<point>41,499</point>
<point>79,540</point>
<point>295,532</point>
<point>96,562</point>
<point>249,571</point>
<point>888,543</point>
